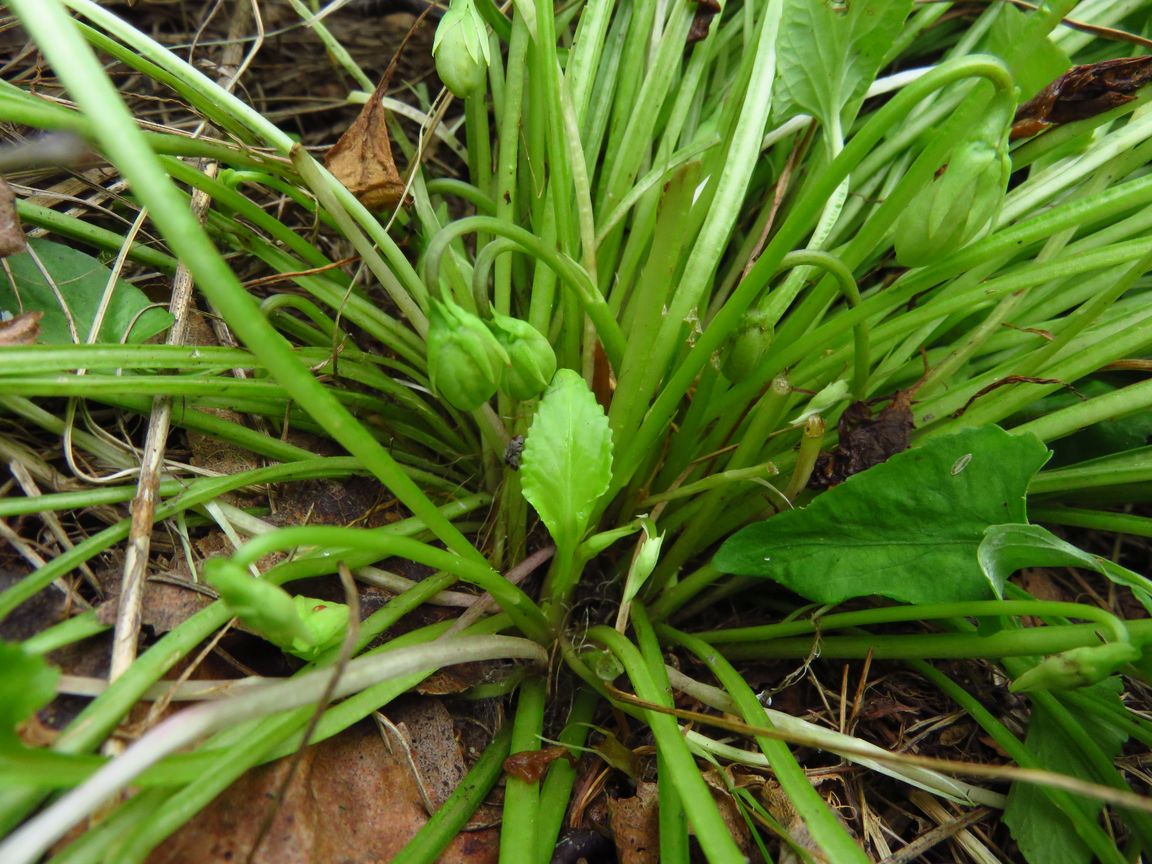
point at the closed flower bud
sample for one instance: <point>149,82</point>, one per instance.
<point>532,360</point>
<point>1078,667</point>
<point>465,361</point>
<point>747,346</point>
<point>461,49</point>
<point>959,205</point>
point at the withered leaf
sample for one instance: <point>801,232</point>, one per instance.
<point>866,440</point>
<point>362,158</point>
<point>351,800</point>
<point>706,10</point>
<point>530,765</point>
<point>11,234</point>
<point>22,329</point>
<point>1082,92</point>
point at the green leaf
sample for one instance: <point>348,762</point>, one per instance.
<point>1021,40</point>
<point>81,281</point>
<point>908,529</point>
<point>644,562</point>
<point>567,460</point>
<point>830,53</point>
<point>1008,548</point>
<point>27,684</point>
<point>1043,833</point>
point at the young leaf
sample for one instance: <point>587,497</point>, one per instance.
<point>1021,40</point>
<point>830,53</point>
<point>1008,548</point>
<point>80,280</point>
<point>567,460</point>
<point>908,528</point>
<point>27,685</point>
<point>1043,833</point>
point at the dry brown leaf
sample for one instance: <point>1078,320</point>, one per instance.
<point>351,801</point>
<point>431,739</point>
<point>362,158</point>
<point>11,234</point>
<point>23,329</point>
<point>1082,92</point>
<point>530,765</point>
<point>636,825</point>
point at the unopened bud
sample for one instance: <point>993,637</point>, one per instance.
<point>465,361</point>
<point>532,362</point>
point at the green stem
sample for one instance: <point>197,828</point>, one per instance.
<point>115,129</point>
<point>1100,843</point>
<point>804,214</point>
<point>703,816</point>
<point>1107,622</point>
<point>519,831</point>
<point>826,829</point>
<point>447,822</point>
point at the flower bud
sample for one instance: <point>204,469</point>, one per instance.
<point>747,345</point>
<point>461,49</point>
<point>960,204</point>
<point>465,361</point>
<point>1078,667</point>
<point>326,624</point>
<point>532,360</point>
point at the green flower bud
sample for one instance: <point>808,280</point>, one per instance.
<point>266,608</point>
<point>532,360</point>
<point>1079,667</point>
<point>461,49</point>
<point>465,361</point>
<point>747,345</point>
<point>962,203</point>
<point>326,623</point>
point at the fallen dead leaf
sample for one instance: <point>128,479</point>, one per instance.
<point>351,801</point>
<point>636,825</point>
<point>866,440</point>
<point>1082,92</point>
<point>11,234</point>
<point>530,765</point>
<point>362,158</point>
<point>430,736</point>
<point>23,329</point>
<point>706,10</point>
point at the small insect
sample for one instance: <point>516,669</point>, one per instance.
<point>961,464</point>
<point>513,452</point>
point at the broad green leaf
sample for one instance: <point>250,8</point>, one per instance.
<point>1021,40</point>
<point>1008,548</point>
<point>80,282</point>
<point>27,684</point>
<point>1043,833</point>
<point>567,460</point>
<point>830,53</point>
<point>908,529</point>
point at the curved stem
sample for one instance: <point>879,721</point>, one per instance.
<point>862,361</point>
<point>569,272</point>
